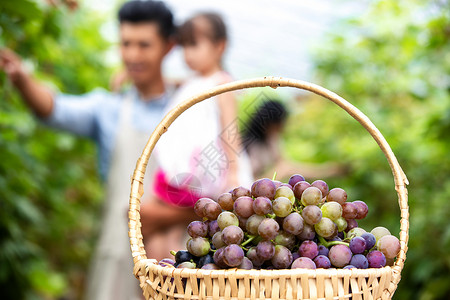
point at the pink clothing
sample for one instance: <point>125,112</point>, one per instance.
<point>178,196</point>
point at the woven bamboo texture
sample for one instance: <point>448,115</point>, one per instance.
<point>171,283</point>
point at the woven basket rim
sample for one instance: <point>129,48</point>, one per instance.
<point>400,179</point>
<point>200,273</point>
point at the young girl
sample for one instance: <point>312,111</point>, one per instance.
<point>201,154</point>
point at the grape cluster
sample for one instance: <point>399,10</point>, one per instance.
<point>277,225</point>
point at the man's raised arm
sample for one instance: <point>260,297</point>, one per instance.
<point>37,96</point>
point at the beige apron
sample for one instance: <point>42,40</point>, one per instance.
<point>111,275</point>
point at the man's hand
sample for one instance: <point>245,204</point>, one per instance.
<point>37,96</point>
<point>12,65</point>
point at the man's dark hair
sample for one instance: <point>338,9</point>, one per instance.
<point>148,11</point>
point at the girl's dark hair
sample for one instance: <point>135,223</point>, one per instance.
<point>271,112</point>
<point>190,30</point>
<point>149,11</point>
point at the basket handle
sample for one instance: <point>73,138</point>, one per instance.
<point>400,180</point>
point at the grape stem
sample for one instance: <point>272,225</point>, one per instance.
<point>251,238</point>
<point>274,175</point>
<point>272,216</point>
<point>331,243</point>
<point>173,252</point>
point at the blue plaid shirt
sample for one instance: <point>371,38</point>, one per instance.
<point>96,115</point>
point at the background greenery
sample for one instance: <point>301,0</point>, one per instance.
<point>392,62</point>
<point>49,189</point>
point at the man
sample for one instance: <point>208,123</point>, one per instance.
<point>120,124</point>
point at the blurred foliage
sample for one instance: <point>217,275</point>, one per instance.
<point>49,188</point>
<point>393,63</point>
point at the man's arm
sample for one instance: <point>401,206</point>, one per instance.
<point>37,96</point>
<point>157,215</point>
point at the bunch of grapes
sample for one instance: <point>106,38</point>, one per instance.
<point>277,225</point>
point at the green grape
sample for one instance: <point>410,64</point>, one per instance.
<point>379,232</point>
<point>341,224</point>
<point>253,223</point>
<point>198,246</point>
<point>331,210</point>
<point>325,227</point>
<point>357,231</point>
<point>282,207</point>
<point>284,191</point>
<point>226,219</point>
<point>311,196</point>
<point>285,239</point>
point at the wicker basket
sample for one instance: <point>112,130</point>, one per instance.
<point>162,283</point>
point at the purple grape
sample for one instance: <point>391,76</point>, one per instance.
<point>308,249</point>
<point>340,255</point>
<point>349,210</point>
<point>233,255</point>
<point>349,267</point>
<point>359,261</point>
<point>262,206</point>
<point>166,262</point>
<point>263,188</point>
<point>242,222</point>
<point>352,223</point>
<point>226,201</point>
<point>265,250</point>
<point>322,186</point>
<point>293,223</point>
<point>295,178</point>
<point>295,255</point>
<point>212,210</point>
<point>204,260</point>
<point>389,245</point>
<point>299,188</point>
<point>357,246</point>
<point>282,258</point>
<point>213,227</point>
<point>268,229</point>
<point>337,195</point>
<point>200,204</point>
<point>277,183</point>
<point>308,233</point>
<point>370,240</point>
<point>240,191</point>
<point>182,256</point>
<point>361,209</point>
<point>197,229</point>
<point>243,206</point>
<point>232,235</point>
<point>246,264</point>
<point>210,267</point>
<point>323,250</point>
<point>303,263</point>
<point>254,257</point>
<point>376,259</point>
<point>312,214</point>
<point>322,261</point>
<point>218,258</point>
